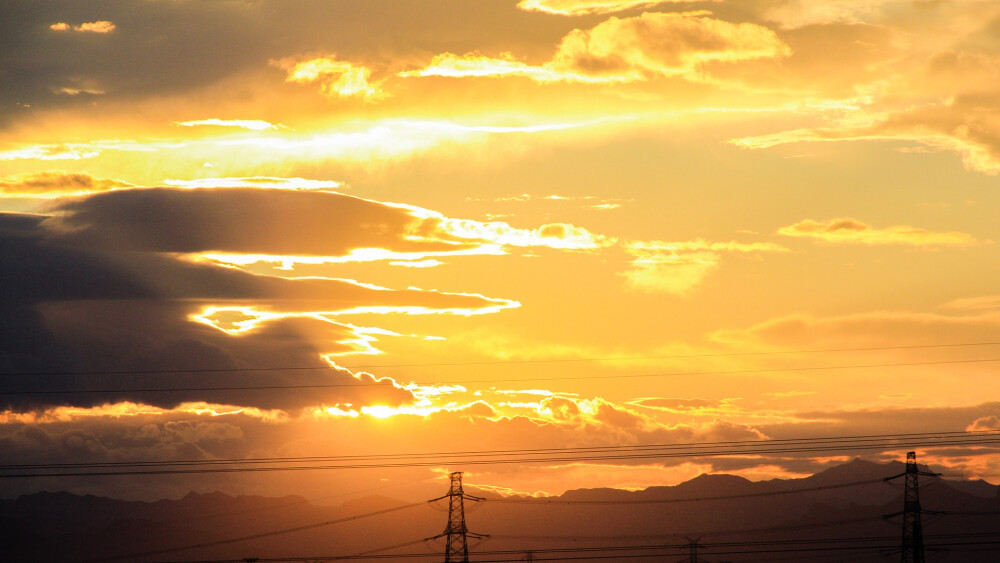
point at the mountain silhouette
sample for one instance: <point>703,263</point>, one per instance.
<point>834,515</point>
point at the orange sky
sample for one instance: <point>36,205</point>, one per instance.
<point>534,224</point>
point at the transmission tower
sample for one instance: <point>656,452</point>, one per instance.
<point>456,533</point>
<point>693,551</point>
<point>912,549</point>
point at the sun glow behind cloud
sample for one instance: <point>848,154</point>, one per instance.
<point>630,49</point>
<point>251,124</point>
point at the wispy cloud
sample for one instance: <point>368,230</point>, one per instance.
<point>846,230</point>
<point>337,79</point>
<point>677,267</point>
<point>270,182</point>
<point>587,7</point>
<point>56,183</point>
<point>967,126</point>
<point>627,50</point>
<point>99,26</point>
<point>251,124</point>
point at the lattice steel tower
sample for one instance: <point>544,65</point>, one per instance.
<point>912,549</point>
<point>456,533</point>
<point>457,547</point>
<point>693,552</point>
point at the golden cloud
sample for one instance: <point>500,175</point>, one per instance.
<point>798,13</point>
<point>49,152</point>
<point>251,124</point>
<point>846,230</point>
<point>628,49</point>
<point>587,7</point>
<point>677,267</point>
<point>967,125</point>
<point>100,26</point>
<point>336,78</point>
<point>979,303</point>
<point>476,65</point>
<point>984,423</point>
<point>879,328</point>
<point>664,44</point>
<point>268,182</point>
<point>560,236</point>
<point>56,183</point>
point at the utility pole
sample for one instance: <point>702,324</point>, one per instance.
<point>912,549</point>
<point>456,533</point>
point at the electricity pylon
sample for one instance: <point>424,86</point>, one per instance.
<point>456,533</point>
<point>693,552</point>
<point>912,550</point>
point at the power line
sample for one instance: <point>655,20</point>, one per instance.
<point>501,380</point>
<point>261,535</point>
<point>686,499</point>
<point>567,455</point>
<point>502,362</point>
<point>731,532</point>
<point>724,548</point>
<point>852,439</point>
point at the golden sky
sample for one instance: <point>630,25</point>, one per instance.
<point>492,224</point>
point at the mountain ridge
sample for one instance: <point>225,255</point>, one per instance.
<point>847,500</point>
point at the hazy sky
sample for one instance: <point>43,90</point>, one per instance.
<point>492,224</point>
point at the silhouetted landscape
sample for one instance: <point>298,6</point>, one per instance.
<point>835,515</point>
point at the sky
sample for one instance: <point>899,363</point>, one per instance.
<point>354,228</point>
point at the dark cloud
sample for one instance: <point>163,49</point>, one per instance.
<point>86,307</point>
<point>55,182</point>
<point>240,220</point>
<point>164,47</point>
<point>154,48</point>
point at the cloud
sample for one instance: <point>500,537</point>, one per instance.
<point>788,394</point>
<point>587,7</point>
<point>968,125</point>
<point>663,44</point>
<point>628,49</point>
<point>128,432</point>
<point>100,26</point>
<point>251,124</point>
<point>56,183</point>
<point>799,13</point>
<point>984,423</point>
<point>49,152</point>
<point>677,267</point>
<point>674,405</point>
<point>337,79</point>
<point>979,303</point>
<point>304,226</point>
<point>299,222</point>
<point>846,230</point>
<point>270,182</point>
<point>71,91</point>
<point>476,65</point>
<point>361,144</point>
<point>560,236</point>
<point>854,421</point>
<point>878,328</point>
<point>70,306</point>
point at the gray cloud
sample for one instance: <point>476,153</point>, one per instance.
<point>78,303</point>
<point>239,220</point>
<point>155,49</point>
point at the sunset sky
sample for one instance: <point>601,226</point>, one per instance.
<point>492,224</point>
